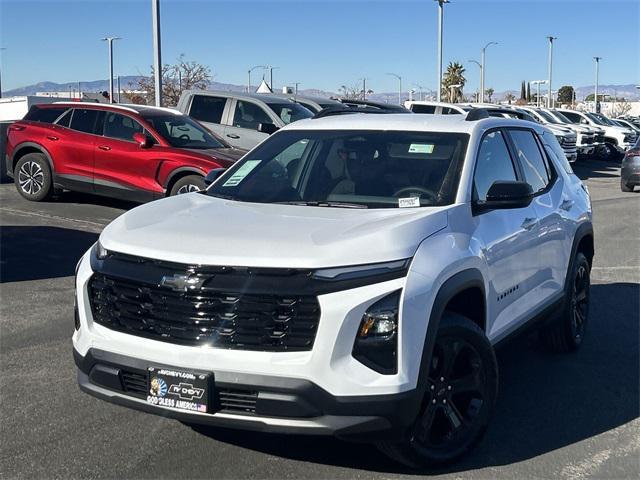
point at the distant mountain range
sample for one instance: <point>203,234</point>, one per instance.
<point>129,82</point>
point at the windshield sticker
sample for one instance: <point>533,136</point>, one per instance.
<point>408,202</point>
<point>421,148</point>
<point>241,173</point>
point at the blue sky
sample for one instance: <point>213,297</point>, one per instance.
<point>324,44</point>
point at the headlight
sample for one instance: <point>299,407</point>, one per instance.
<point>560,139</point>
<point>376,342</point>
<point>101,252</point>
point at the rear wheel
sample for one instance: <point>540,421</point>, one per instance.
<point>567,334</point>
<point>460,395</point>
<point>33,177</point>
<point>624,187</point>
<point>188,184</point>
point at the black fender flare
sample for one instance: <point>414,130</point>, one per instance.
<point>583,230</point>
<point>469,278</point>
<point>37,146</point>
<point>179,171</point>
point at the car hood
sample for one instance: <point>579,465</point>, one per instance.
<point>559,130</point>
<point>198,229</point>
<point>229,154</point>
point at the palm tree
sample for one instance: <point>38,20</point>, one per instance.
<point>453,76</point>
<point>509,97</point>
<point>489,93</point>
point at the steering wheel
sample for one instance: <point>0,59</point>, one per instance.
<point>416,189</point>
<point>184,137</point>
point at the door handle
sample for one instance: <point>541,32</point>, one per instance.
<point>566,205</point>
<point>52,138</point>
<point>104,147</point>
<point>529,223</point>
<point>232,135</point>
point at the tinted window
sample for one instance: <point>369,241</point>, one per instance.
<point>555,151</point>
<point>84,120</point>
<point>120,126</point>
<point>574,117</point>
<point>374,169</point>
<point>44,115</point>
<point>450,111</point>
<point>207,108</point>
<point>290,112</point>
<point>181,131</point>
<point>65,120</point>
<point>423,108</point>
<point>249,115</point>
<point>494,163</point>
<point>311,108</point>
<point>533,164</point>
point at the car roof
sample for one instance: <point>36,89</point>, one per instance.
<point>264,97</point>
<point>125,107</point>
<point>405,122</point>
<point>304,97</point>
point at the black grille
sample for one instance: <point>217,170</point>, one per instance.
<point>241,401</point>
<point>134,383</point>
<point>599,138</point>
<point>205,317</point>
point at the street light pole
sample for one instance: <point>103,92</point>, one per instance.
<point>249,76</point>
<point>271,69</point>
<point>595,98</point>
<point>400,87</point>
<point>440,28</point>
<point>110,40</point>
<point>157,54</point>
<point>550,99</point>
<point>482,69</point>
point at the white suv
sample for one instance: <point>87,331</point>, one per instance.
<point>350,276</point>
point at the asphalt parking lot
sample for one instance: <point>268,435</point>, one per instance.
<point>558,416</point>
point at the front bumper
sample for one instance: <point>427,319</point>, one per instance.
<point>586,149</point>
<point>282,405</point>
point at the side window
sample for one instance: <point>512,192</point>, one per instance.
<point>44,115</point>
<point>423,109</point>
<point>120,126</point>
<point>494,163</point>
<point>554,150</point>
<point>249,115</point>
<point>65,120</point>
<point>534,166</point>
<point>207,108</point>
<point>84,120</point>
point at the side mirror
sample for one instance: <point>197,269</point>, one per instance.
<point>504,194</point>
<point>142,140</point>
<point>212,175</point>
<point>267,128</point>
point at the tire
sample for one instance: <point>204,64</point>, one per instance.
<point>188,184</point>
<point>624,187</point>
<point>466,397</point>
<point>567,333</point>
<point>33,177</point>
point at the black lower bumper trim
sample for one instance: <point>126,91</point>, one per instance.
<point>285,405</point>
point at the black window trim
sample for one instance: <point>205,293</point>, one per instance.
<point>94,124</point>
<point>268,111</point>
<point>145,130</point>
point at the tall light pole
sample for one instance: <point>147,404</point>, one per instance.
<point>595,98</point>
<point>399,88</point>
<point>157,54</point>
<point>271,68</point>
<point>249,75</point>
<point>110,40</point>
<point>440,27</point>
<point>482,70</point>
<point>550,99</point>
<point>2,49</point>
<point>421,89</point>
<point>537,83</point>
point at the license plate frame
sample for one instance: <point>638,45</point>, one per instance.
<point>180,389</point>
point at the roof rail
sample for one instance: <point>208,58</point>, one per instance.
<point>477,114</point>
<point>334,111</point>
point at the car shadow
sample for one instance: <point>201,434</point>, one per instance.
<point>596,168</point>
<point>546,401</point>
<point>89,199</point>
<point>38,252</point>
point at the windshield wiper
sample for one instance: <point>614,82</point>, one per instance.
<point>324,204</point>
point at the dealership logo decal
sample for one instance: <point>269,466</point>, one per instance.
<point>186,391</point>
<point>182,283</point>
<point>158,387</point>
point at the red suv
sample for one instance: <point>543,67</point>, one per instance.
<point>134,152</point>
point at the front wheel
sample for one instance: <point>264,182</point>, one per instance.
<point>567,333</point>
<point>188,184</point>
<point>33,177</point>
<point>460,395</point>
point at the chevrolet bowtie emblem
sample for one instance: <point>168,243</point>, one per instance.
<point>182,283</point>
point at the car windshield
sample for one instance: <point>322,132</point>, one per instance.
<point>290,112</point>
<point>548,117</point>
<point>183,132</point>
<point>598,119</point>
<point>561,117</point>
<point>349,169</point>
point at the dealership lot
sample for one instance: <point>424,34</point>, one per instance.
<point>557,416</point>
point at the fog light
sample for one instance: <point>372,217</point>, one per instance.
<point>376,342</point>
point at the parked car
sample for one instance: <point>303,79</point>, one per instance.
<point>628,124</point>
<point>242,119</point>
<point>349,276</point>
<point>313,104</point>
<point>437,108</point>
<point>133,152</point>
<point>566,135</point>
<point>371,105</point>
<point>617,139</point>
<point>590,133</point>
<point>630,169</point>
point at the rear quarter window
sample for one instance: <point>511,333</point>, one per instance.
<point>44,114</point>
